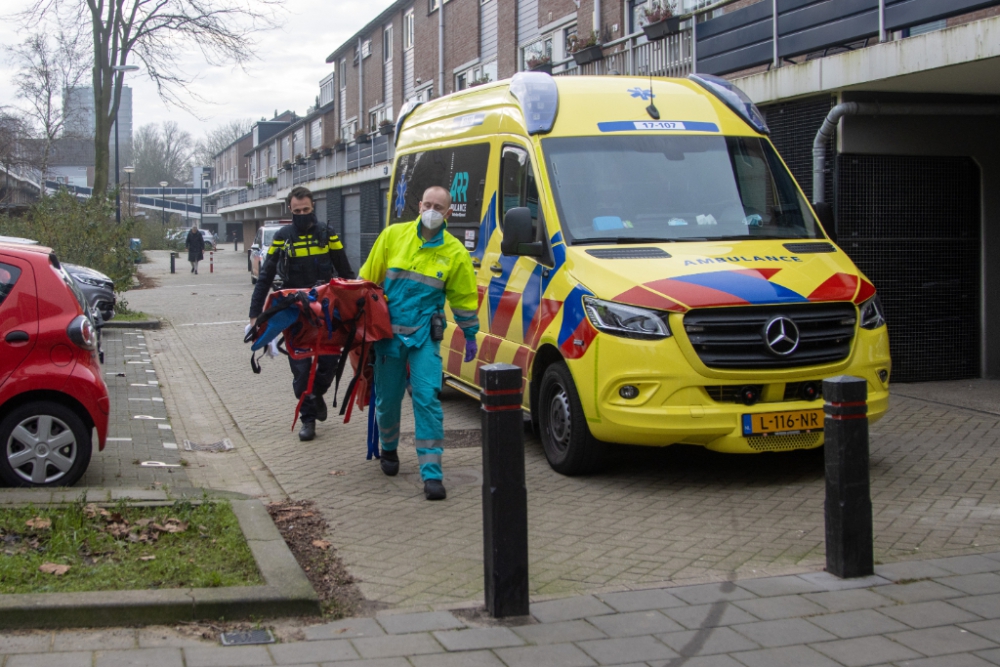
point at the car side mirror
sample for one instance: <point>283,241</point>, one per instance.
<point>824,211</point>
<point>519,234</point>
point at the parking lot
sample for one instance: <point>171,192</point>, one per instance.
<point>676,515</point>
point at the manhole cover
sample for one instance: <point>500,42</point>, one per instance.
<point>221,446</point>
<point>248,637</point>
<point>459,439</point>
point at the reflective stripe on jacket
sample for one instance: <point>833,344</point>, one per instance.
<point>418,275</point>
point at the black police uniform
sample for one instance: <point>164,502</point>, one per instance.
<point>313,258</point>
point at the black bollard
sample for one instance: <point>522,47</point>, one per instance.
<point>849,548</point>
<point>173,256</point>
<point>505,499</point>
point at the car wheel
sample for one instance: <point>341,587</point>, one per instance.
<point>569,446</point>
<point>43,444</point>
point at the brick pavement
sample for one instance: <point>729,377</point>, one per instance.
<point>929,613</point>
<point>134,390</point>
<point>653,518</point>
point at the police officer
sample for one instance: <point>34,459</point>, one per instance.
<point>420,265</point>
<point>310,255</point>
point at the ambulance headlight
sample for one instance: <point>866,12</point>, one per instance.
<point>872,315</point>
<point>618,319</point>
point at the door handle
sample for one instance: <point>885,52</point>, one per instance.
<point>496,268</point>
<point>17,337</point>
<point>476,263</point>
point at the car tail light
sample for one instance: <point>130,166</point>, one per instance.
<point>81,331</point>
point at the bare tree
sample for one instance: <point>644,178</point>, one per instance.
<point>217,139</point>
<point>45,72</point>
<point>155,32</point>
<point>161,153</point>
<point>15,147</point>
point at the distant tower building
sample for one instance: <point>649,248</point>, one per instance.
<point>81,121</point>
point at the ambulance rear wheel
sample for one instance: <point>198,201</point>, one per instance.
<point>569,446</point>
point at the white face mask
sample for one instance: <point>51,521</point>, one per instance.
<point>431,219</point>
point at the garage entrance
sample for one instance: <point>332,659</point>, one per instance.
<point>912,225</point>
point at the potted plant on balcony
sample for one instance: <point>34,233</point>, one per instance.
<point>300,159</point>
<point>249,185</point>
<point>315,154</point>
<point>339,143</point>
<point>287,164</point>
<point>326,150</point>
<point>660,20</point>
<point>485,78</point>
<point>361,137</point>
<point>585,49</point>
<point>386,127</point>
<point>271,180</point>
<point>540,63</point>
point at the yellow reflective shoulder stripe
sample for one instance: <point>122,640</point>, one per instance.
<point>335,243</point>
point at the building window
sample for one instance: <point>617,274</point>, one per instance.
<point>432,5</point>
<point>348,130</point>
<point>536,52</point>
<point>343,73</point>
<point>366,48</point>
<point>325,96</point>
<point>387,44</point>
<point>408,30</point>
<point>316,134</point>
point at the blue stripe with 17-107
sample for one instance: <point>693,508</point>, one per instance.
<point>657,126</point>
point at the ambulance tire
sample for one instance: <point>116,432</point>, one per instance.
<point>569,447</point>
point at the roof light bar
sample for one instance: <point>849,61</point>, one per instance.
<point>539,99</point>
<point>408,108</point>
<point>734,98</point>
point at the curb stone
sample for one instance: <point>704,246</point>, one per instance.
<point>132,324</point>
<point>286,590</point>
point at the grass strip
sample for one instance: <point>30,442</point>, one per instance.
<point>122,547</point>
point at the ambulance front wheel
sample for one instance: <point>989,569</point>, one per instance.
<point>569,446</point>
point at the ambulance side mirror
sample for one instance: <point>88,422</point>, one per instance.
<point>519,234</point>
<point>824,211</point>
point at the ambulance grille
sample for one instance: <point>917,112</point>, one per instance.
<point>734,337</point>
<point>783,443</point>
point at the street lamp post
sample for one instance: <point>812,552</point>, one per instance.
<point>163,206</point>
<point>128,170</point>
<point>118,203</point>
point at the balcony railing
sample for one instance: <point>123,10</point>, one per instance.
<point>352,157</point>
<point>765,33</point>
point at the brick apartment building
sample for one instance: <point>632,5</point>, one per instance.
<point>940,58</point>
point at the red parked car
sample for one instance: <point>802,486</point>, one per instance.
<point>52,395</point>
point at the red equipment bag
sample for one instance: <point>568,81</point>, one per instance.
<point>342,317</point>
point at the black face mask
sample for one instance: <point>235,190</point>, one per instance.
<point>303,222</point>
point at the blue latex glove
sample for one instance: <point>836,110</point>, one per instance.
<point>470,350</point>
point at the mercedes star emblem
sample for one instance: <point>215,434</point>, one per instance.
<point>781,336</point>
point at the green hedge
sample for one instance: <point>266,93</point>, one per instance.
<point>80,231</point>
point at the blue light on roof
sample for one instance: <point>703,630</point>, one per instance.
<point>407,109</point>
<point>734,98</point>
<point>539,99</point>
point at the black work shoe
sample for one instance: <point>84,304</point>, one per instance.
<point>434,490</point>
<point>308,431</point>
<point>389,462</point>
<point>320,403</point>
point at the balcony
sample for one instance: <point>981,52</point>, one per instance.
<point>341,161</point>
<point>770,33</point>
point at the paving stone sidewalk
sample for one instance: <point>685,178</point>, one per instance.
<point>652,518</point>
<point>930,613</point>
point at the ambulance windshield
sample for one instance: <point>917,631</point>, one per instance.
<point>642,189</point>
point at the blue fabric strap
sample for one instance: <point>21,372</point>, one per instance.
<point>372,427</point>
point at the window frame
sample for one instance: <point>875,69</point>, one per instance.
<point>408,29</point>
<point>387,44</point>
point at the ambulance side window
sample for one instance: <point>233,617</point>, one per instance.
<point>517,184</point>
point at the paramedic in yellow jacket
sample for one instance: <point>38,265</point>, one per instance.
<point>419,264</point>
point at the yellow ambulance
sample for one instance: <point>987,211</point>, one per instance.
<point>646,258</point>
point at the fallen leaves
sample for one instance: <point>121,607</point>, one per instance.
<point>322,544</point>
<point>53,568</point>
<point>338,473</point>
<point>147,558</point>
<point>39,523</point>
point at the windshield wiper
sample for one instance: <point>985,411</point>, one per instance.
<point>622,240</point>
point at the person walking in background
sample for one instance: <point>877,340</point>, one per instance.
<point>195,243</point>
<point>420,265</point>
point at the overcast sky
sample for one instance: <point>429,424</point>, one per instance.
<point>290,63</point>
